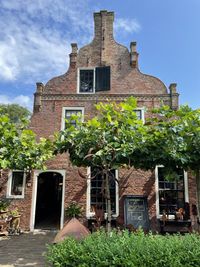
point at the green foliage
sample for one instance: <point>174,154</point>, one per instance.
<point>173,139</point>
<point>73,210</point>
<point>4,204</point>
<point>125,249</point>
<point>106,140</point>
<point>19,148</point>
<point>15,112</point>
<point>14,212</point>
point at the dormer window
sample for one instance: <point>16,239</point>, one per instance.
<point>94,80</point>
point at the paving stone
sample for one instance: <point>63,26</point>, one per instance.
<point>27,249</point>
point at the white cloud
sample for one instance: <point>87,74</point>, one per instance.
<point>35,36</point>
<point>22,100</point>
<point>127,25</point>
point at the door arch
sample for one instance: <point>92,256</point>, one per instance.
<point>49,195</point>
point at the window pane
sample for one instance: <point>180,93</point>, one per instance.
<point>97,190</point>
<point>138,113</point>
<point>17,183</point>
<point>69,113</point>
<point>171,193</point>
<point>86,81</point>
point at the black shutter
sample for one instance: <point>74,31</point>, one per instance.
<point>102,79</point>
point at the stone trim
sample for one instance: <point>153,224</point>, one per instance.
<point>103,97</point>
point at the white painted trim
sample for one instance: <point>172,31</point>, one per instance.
<point>157,192</point>
<point>90,214</point>
<point>34,197</point>
<point>78,79</point>
<point>186,194</point>
<point>186,187</point>
<point>70,108</point>
<point>9,184</point>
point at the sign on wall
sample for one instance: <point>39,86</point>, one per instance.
<point>136,211</point>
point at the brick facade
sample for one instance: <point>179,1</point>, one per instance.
<point>126,80</point>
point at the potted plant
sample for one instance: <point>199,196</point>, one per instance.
<point>4,203</point>
<point>15,213</point>
<point>73,210</point>
<point>15,221</point>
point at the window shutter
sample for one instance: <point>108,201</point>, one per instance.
<point>102,79</point>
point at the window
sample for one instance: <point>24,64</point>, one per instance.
<point>86,81</point>
<point>171,195</point>
<point>94,80</point>
<point>68,112</point>
<point>95,192</point>
<point>16,184</point>
<point>140,113</point>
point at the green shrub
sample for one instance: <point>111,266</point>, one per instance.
<point>127,250</point>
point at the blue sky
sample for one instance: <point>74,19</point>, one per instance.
<point>35,38</point>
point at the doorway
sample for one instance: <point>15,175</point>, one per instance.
<point>48,201</point>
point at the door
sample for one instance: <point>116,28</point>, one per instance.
<point>48,201</point>
<point>136,212</point>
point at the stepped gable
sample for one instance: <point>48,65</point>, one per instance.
<point>105,51</point>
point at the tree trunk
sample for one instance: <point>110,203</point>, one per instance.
<point>198,191</point>
<point>109,212</point>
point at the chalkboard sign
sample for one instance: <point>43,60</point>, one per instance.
<point>136,212</point>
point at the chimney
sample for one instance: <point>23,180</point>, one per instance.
<point>133,55</point>
<point>103,30</point>
<point>103,25</point>
<point>173,96</point>
<point>172,88</point>
<point>73,55</point>
<point>38,97</point>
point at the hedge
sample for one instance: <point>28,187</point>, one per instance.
<point>127,249</point>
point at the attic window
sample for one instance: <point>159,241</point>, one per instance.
<point>86,81</point>
<point>94,80</point>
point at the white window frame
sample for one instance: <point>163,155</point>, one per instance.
<point>186,193</point>
<point>142,113</point>
<point>78,80</point>
<point>9,185</point>
<point>89,213</point>
<point>70,108</point>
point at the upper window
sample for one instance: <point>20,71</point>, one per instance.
<point>86,81</point>
<point>140,113</point>
<point>16,184</point>
<point>94,80</point>
<point>68,112</point>
<point>171,194</point>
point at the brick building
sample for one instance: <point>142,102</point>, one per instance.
<point>100,71</point>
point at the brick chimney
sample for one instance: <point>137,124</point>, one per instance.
<point>103,31</point>
<point>73,55</point>
<point>133,55</point>
<point>103,24</point>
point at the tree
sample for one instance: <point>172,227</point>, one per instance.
<point>15,112</point>
<point>19,148</point>
<point>173,140</point>
<point>103,142</point>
